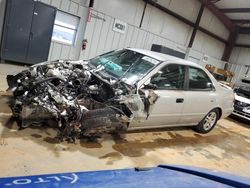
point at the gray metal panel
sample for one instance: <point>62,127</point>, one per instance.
<point>2,12</point>
<point>166,50</point>
<point>17,29</point>
<point>41,32</point>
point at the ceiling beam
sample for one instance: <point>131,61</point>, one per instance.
<point>220,15</point>
<point>235,10</point>
<point>244,30</point>
<point>229,46</point>
<point>184,20</point>
<point>240,21</point>
<point>196,26</point>
<point>243,45</point>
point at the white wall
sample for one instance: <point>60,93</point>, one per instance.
<point>210,22</point>
<point>160,23</point>
<point>239,59</point>
<point>101,37</point>
<point>127,10</point>
<point>64,51</point>
<point>158,27</point>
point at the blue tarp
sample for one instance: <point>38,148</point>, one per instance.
<point>161,176</point>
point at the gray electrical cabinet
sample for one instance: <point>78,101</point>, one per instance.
<point>27,32</point>
<point>166,50</point>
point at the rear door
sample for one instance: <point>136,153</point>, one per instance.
<point>200,96</point>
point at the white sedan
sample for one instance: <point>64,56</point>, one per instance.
<point>120,90</point>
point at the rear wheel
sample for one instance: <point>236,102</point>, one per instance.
<point>208,122</point>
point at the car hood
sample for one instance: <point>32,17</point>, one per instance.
<point>242,99</point>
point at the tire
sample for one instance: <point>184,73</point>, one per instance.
<point>208,122</point>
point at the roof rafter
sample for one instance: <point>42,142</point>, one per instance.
<point>220,15</point>
<point>235,10</point>
<point>244,30</point>
<point>241,21</point>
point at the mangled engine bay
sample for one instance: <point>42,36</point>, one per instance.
<point>75,99</point>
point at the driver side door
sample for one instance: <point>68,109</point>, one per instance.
<point>169,86</point>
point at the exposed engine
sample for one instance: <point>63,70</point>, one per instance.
<point>71,97</point>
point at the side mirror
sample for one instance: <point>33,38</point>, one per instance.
<point>149,86</point>
<point>210,85</point>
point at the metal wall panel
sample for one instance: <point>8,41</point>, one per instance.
<point>17,27</point>
<point>127,10</point>
<point>212,23</point>
<point>2,12</point>
<point>97,32</point>
<point>56,51</point>
<point>129,34</point>
<point>56,3</point>
<point>208,45</point>
<point>243,39</point>
<point>101,37</point>
<point>140,38</point>
<point>104,28</point>
<point>110,35</point>
<point>115,43</point>
<point>73,8</point>
<point>64,51</point>
<point>65,4</point>
<point>189,10</point>
<point>40,38</point>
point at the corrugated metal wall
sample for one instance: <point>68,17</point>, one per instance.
<point>101,38</point>
<point>64,51</point>
<point>157,28</point>
<point>239,59</point>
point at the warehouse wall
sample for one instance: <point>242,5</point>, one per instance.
<point>240,58</point>
<point>239,61</point>
<point>2,10</point>
<point>64,51</point>
<point>157,27</point>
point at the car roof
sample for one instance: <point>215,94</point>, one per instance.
<point>164,57</point>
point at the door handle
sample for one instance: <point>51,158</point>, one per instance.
<point>179,100</point>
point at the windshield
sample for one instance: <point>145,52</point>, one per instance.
<point>243,92</point>
<point>125,64</point>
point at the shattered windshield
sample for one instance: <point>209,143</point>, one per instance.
<point>126,65</point>
<point>243,92</point>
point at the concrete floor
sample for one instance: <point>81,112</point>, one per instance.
<point>35,151</point>
<point>6,69</point>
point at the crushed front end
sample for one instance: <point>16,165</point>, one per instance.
<point>70,97</point>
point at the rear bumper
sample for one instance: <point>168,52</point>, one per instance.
<point>243,115</point>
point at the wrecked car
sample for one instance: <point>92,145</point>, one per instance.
<point>242,99</point>
<point>120,90</point>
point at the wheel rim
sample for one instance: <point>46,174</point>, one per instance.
<point>210,120</point>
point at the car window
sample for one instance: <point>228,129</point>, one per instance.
<point>170,77</point>
<point>125,64</point>
<point>199,80</point>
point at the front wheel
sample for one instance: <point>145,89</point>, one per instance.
<point>208,122</point>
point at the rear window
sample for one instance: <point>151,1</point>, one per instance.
<point>199,80</point>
